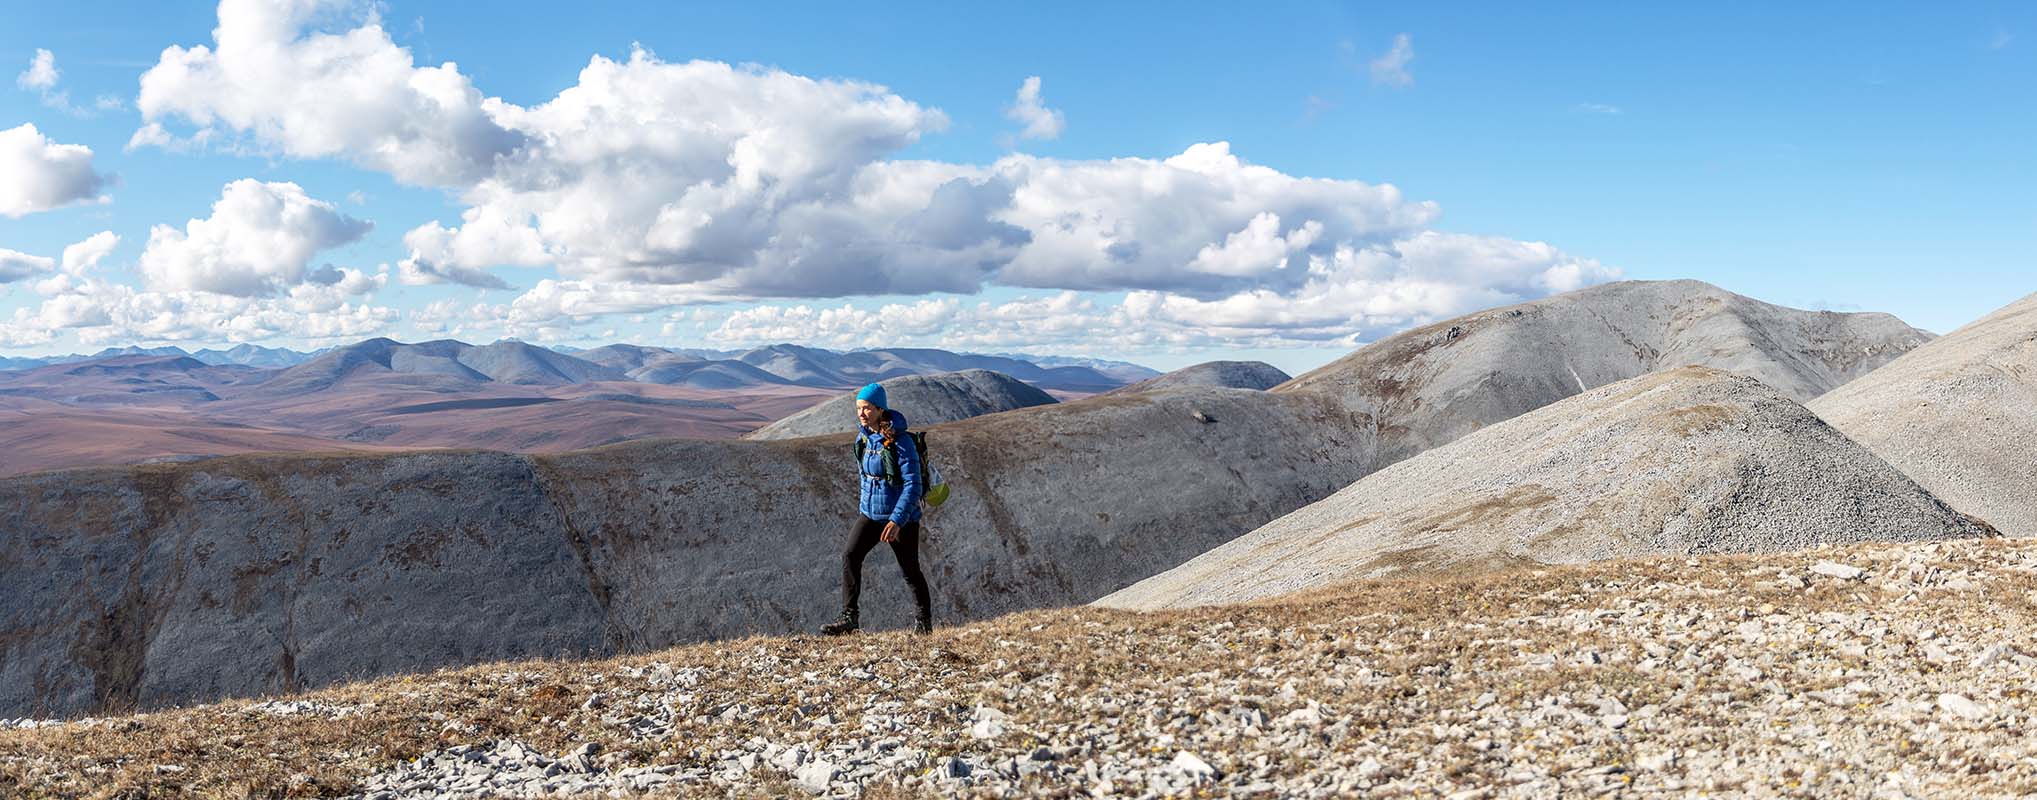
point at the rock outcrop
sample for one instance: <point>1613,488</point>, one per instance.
<point>926,400</point>
<point>1958,415</point>
<point>1691,460</point>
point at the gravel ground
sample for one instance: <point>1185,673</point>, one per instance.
<point>1876,670</point>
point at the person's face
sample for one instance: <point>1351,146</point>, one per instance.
<point>868,414</point>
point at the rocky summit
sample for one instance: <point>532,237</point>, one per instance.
<point>1959,415</point>
<point>1690,460</point>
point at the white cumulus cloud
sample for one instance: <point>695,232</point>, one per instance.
<point>259,240</point>
<point>1351,296</point>
<point>42,174</point>
<point>353,95</point>
<point>745,180</point>
<point>1259,248</point>
<point>104,312</point>
<point>1027,109</point>
<point>1186,223</point>
<point>16,265</point>
<point>81,257</point>
<point>649,183</point>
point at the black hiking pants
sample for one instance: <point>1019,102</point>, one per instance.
<point>863,536</point>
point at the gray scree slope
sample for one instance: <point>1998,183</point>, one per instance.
<point>1958,415</point>
<point>925,400</point>
<point>1426,387</point>
<point>1691,460</point>
<point>130,580</point>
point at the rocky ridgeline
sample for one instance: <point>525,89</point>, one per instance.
<point>1877,669</point>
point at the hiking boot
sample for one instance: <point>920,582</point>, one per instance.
<point>846,623</point>
<point>924,625</point>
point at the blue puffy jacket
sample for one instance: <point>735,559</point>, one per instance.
<point>881,500</point>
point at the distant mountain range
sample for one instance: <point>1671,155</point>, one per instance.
<point>515,362</point>
<point>244,354</point>
<point>128,404</point>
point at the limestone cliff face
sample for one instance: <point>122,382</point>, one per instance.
<point>167,584</point>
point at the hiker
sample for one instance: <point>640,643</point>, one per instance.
<point>888,508</point>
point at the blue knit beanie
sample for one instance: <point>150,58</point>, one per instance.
<point>874,394</point>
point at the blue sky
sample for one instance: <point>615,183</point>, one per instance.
<point>1844,156</point>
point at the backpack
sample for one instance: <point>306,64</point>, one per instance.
<point>936,491</point>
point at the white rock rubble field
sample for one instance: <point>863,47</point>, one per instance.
<point>1742,675</point>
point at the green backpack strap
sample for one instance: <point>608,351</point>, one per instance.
<point>891,473</point>
<point>890,461</point>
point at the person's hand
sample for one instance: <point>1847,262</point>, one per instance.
<point>890,533</point>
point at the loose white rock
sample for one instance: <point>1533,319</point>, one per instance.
<point>1959,705</point>
<point>1193,766</point>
